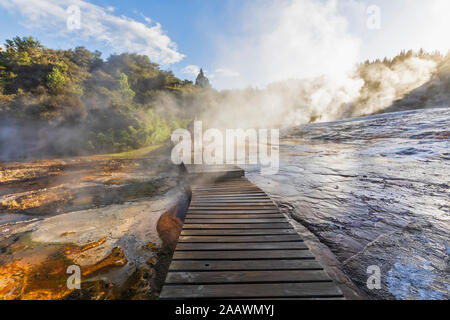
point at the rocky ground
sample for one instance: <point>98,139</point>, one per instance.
<point>376,191</point>
<point>117,218</point>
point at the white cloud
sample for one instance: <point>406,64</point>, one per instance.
<point>110,9</point>
<point>191,70</point>
<point>119,33</point>
<point>146,19</point>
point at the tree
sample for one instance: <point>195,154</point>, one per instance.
<point>56,80</point>
<point>25,48</point>
<point>202,80</point>
<point>83,57</point>
<point>125,89</point>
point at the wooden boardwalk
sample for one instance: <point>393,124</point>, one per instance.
<point>235,244</point>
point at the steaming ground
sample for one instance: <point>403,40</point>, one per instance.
<point>375,190</point>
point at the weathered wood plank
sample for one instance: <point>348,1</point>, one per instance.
<point>235,207</point>
<point>236,192</point>
<point>211,204</point>
<point>226,291</point>
<point>247,211</point>
<point>190,226</point>
<point>226,190</point>
<point>292,276</point>
<point>242,239</point>
<point>232,199</point>
<point>240,246</point>
<point>231,221</point>
<point>235,216</point>
<point>250,211</point>
<point>230,202</point>
<point>228,232</point>
<point>232,196</point>
<point>224,265</point>
<point>243,255</point>
<point>225,185</point>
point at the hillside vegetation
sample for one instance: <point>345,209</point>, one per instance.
<point>66,102</point>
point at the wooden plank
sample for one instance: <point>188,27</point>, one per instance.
<point>242,239</point>
<point>224,198</point>
<point>225,184</point>
<point>190,226</point>
<point>236,192</point>
<point>243,255</point>
<point>240,189</point>
<point>229,202</point>
<point>232,196</point>
<point>229,180</point>
<point>237,203</point>
<point>231,221</point>
<point>224,265</point>
<point>240,246</point>
<point>227,291</point>
<point>258,205</point>
<point>234,207</point>
<point>290,276</point>
<point>230,193</point>
<point>228,232</point>
<point>235,216</point>
<point>209,211</point>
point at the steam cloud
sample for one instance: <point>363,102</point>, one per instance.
<point>309,43</point>
<point>321,99</point>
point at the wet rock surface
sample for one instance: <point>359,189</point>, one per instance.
<point>117,219</point>
<point>376,191</point>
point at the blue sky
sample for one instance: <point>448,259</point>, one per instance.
<point>239,42</point>
<point>190,24</point>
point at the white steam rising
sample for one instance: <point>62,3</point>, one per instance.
<point>304,62</point>
<point>289,40</point>
<point>393,83</point>
<point>370,89</point>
